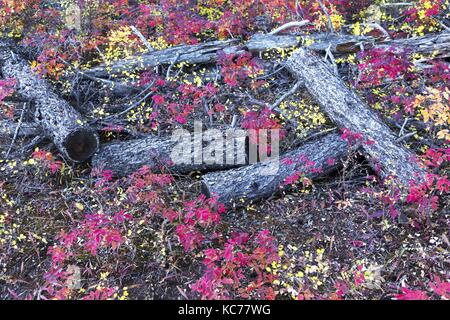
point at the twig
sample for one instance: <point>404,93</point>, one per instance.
<point>398,4</point>
<point>330,23</point>
<point>296,9</point>
<point>444,26</point>
<point>287,94</point>
<point>333,61</point>
<point>290,25</point>
<point>406,136</point>
<point>403,127</point>
<point>172,64</point>
<point>134,105</point>
<point>377,26</point>
<point>108,83</point>
<point>36,140</point>
<point>234,121</point>
<point>272,74</point>
<point>25,107</point>
<point>143,39</point>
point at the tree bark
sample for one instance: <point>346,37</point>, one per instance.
<point>126,157</point>
<point>347,110</point>
<point>60,122</point>
<point>321,42</point>
<point>238,187</point>
<point>338,43</point>
<point>429,44</point>
<point>8,128</point>
<point>207,52</point>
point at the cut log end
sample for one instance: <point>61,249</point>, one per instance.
<point>81,144</point>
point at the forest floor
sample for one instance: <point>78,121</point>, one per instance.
<point>74,231</point>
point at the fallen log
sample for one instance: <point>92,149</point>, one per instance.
<point>434,44</point>
<point>164,153</point>
<point>339,43</point>
<point>207,52</point>
<point>192,54</point>
<point>250,183</point>
<point>347,110</point>
<point>59,121</point>
<point>319,42</point>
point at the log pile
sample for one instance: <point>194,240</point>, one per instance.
<point>234,183</point>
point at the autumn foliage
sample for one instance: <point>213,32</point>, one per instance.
<point>153,235</point>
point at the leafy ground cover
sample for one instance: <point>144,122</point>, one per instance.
<point>77,232</point>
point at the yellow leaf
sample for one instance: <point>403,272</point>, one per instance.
<point>79,206</point>
<point>426,115</point>
<point>443,134</point>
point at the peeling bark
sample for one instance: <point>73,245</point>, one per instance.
<point>250,183</point>
<point>347,110</point>
<point>60,122</point>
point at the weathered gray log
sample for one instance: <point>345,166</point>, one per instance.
<point>59,121</point>
<point>160,153</point>
<point>207,52</point>
<point>347,110</point>
<point>8,128</point>
<point>339,43</point>
<point>250,183</point>
<point>433,43</point>
<point>193,54</point>
<point>320,42</point>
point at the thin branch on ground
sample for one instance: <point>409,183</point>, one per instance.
<point>286,95</point>
<point>24,109</point>
<point>325,11</point>
<point>143,39</point>
<point>288,25</point>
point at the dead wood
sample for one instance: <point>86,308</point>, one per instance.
<point>60,122</point>
<point>239,186</point>
<point>192,54</point>
<point>126,157</point>
<point>347,110</point>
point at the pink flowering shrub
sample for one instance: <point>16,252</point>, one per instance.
<point>381,64</point>
<point>47,160</point>
<point>6,88</point>
<point>237,270</point>
<point>237,68</point>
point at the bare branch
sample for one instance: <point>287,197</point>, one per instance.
<point>325,11</point>
<point>288,25</point>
